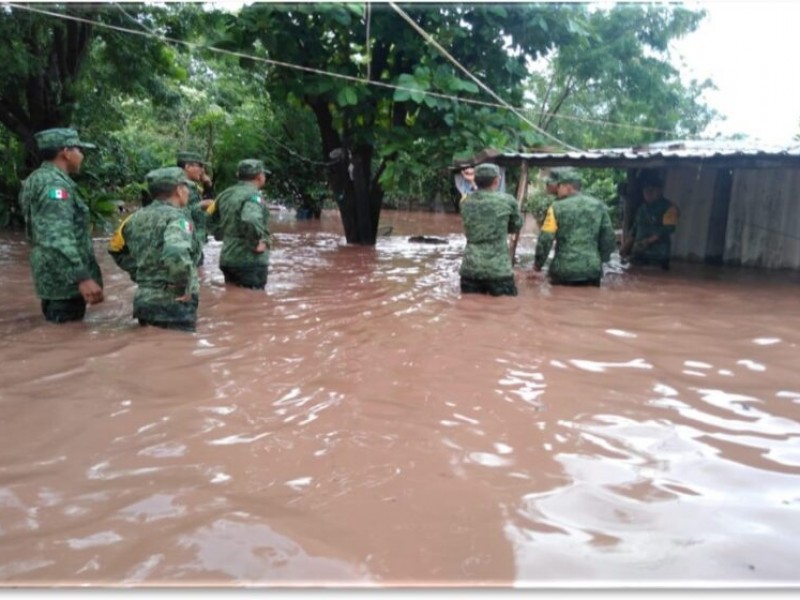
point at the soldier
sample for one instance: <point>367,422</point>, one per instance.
<point>244,227</point>
<point>488,217</point>
<point>649,241</point>
<point>195,169</point>
<point>582,230</point>
<point>155,246</point>
<point>65,272</point>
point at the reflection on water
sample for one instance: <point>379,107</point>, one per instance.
<point>362,423</point>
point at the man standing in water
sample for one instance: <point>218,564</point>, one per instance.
<point>65,272</point>
<point>582,230</point>
<point>195,169</point>
<point>488,217</point>
<point>243,219</point>
<point>155,246</point>
<point>649,242</point>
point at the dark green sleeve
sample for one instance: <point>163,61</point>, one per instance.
<point>253,227</point>
<point>52,228</point>
<point>608,239</point>
<point>515,222</point>
<point>177,253</point>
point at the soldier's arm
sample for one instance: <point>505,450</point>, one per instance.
<point>177,254</point>
<point>669,221</point>
<point>253,222</point>
<point>547,234</point>
<point>608,239</point>
<point>52,228</point>
<point>118,249</point>
<point>515,221</point>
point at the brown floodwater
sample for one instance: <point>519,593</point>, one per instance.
<point>362,423</point>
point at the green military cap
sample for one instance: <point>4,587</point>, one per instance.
<point>554,174</point>
<point>185,156</point>
<point>60,137</point>
<point>566,175</point>
<point>250,167</point>
<point>165,177</point>
<point>487,170</point>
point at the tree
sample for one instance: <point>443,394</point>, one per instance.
<point>44,57</point>
<point>364,127</point>
<point>618,72</point>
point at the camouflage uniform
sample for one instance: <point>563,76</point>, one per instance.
<point>58,227</point>
<point>488,218</point>
<point>584,236</point>
<point>194,210</point>
<point>654,218</point>
<point>244,222</point>
<point>155,246</point>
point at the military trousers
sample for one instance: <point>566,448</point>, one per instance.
<point>494,287</point>
<point>62,311</point>
<point>252,277</point>
<point>173,315</point>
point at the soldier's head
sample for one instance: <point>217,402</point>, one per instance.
<point>63,147</point>
<point>192,163</point>
<point>487,176</point>
<point>253,171</point>
<point>652,186</point>
<point>551,183</point>
<point>169,184</point>
<point>568,181</point>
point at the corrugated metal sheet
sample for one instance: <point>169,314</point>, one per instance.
<point>764,219</point>
<point>718,153</point>
<point>691,189</point>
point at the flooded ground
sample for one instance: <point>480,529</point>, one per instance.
<point>362,423</point>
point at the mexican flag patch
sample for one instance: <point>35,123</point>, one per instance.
<point>58,194</point>
<point>187,226</point>
<point>256,198</point>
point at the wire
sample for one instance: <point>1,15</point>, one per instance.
<point>149,33</point>
<point>428,38</point>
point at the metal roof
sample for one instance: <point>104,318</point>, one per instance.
<point>726,153</point>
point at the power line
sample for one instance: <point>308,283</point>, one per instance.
<point>150,34</point>
<point>428,38</point>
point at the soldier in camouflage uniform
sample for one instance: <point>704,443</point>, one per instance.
<point>244,227</point>
<point>65,272</point>
<point>488,217</point>
<point>194,168</point>
<point>582,230</point>
<point>649,241</point>
<point>155,246</point>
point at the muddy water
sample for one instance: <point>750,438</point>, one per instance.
<point>361,423</point>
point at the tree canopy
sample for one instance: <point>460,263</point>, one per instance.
<point>350,103</point>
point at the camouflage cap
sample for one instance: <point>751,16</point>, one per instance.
<point>165,177</point>
<point>487,170</point>
<point>250,167</point>
<point>554,174</point>
<point>185,156</point>
<point>566,175</point>
<point>59,137</point>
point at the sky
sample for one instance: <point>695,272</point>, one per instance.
<point>751,51</point>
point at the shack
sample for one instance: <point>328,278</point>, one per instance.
<point>739,202</point>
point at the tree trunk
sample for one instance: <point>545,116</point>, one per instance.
<point>358,194</point>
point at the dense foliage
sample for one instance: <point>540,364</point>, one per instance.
<point>381,131</point>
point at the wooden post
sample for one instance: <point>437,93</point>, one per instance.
<point>522,188</point>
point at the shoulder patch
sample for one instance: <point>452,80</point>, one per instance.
<point>58,193</point>
<point>550,224</point>
<point>187,226</point>
<point>670,216</point>
<point>256,198</point>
